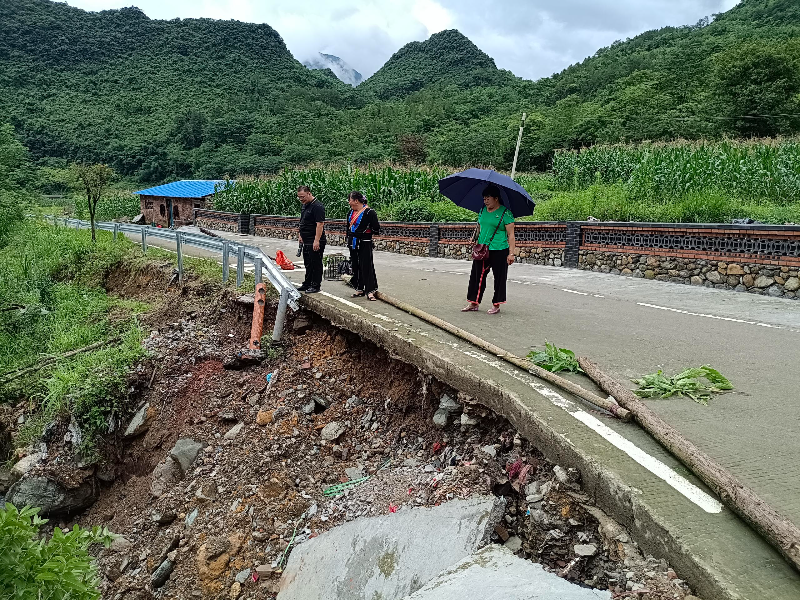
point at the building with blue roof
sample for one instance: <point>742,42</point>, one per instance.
<point>173,204</point>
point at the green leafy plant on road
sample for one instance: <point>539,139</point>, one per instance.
<point>60,566</point>
<point>697,383</point>
<point>555,359</point>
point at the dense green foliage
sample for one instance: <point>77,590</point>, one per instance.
<point>159,100</point>
<point>54,275</point>
<point>61,565</point>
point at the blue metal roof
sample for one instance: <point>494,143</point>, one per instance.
<point>188,188</point>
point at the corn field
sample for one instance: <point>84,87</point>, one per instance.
<point>754,171</point>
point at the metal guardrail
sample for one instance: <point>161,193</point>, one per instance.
<point>263,265</point>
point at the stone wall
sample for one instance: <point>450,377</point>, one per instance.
<point>753,278</point>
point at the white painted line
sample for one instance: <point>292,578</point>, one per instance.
<point>651,463</point>
<point>679,483</point>
<point>574,292</point>
<point>598,295</point>
<point>694,314</point>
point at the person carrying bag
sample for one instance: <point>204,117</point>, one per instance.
<point>495,251</point>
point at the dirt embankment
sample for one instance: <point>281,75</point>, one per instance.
<point>226,470</point>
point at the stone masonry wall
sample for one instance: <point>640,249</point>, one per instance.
<point>778,282</point>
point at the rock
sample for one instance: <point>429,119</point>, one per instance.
<point>585,549</point>
<point>354,473</point>
<point>190,518</point>
<point>236,589</point>
<point>301,324</point>
<point>735,269</point>
<point>7,478</point>
<point>450,405</point>
<point>494,572</point>
<point>141,421</point>
<point>264,417</point>
<point>514,544</point>
<point>332,431</point>
<point>775,291</point>
<point>308,408</point>
<point>234,431</point>
<point>50,496</point>
<point>696,280</point>
<point>264,570</point>
<point>138,219</point>
<point>748,280</point>
<point>468,421</point>
<point>162,573</point>
<point>163,518</point>
<point>121,544</point>
<point>391,555</point>
<point>763,281</point>
<point>323,402</point>
<point>166,474</point>
<point>490,450</point>
<point>185,452</point>
<point>441,418</point>
<point>714,277</point>
<point>534,498</point>
<point>792,284</point>
<point>207,492</point>
<point>242,576</point>
<point>22,466</point>
<point>73,435</point>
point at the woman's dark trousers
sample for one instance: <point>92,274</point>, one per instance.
<point>480,270</point>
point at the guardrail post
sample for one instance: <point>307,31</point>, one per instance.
<point>178,236</point>
<point>240,267</point>
<point>144,240</point>
<point>116,231</point>
<point>226,253</point>
<point>280,316</point>
<point>257,269</point>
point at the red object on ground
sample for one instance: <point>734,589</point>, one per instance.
<point>258,316</point>
<point>514,469</point>
<point>392,508</point>
<point>437,447</point>
<point>283,262</point>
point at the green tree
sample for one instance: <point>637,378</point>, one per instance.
<point>93,180</point>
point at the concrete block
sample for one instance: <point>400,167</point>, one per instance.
<point>390,556</point>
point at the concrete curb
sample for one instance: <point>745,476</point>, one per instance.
<point>610,493</point>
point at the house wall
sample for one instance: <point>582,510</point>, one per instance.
<point>155,209</point>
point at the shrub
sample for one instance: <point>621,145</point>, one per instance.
<point>61,565</point>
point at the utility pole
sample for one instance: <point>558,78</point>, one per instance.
<point>519,140</point>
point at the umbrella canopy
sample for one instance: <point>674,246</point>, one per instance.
<point>466,190</point>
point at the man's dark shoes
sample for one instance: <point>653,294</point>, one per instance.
<point>303,288</point>
<point>312,290</point>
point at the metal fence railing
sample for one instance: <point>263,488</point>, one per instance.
<point>263,265</point>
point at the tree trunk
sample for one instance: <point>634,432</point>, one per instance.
<point>776,529</point>
<point>92,210</point>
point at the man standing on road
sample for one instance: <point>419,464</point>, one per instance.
<point>312,238</point>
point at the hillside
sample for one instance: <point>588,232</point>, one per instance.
<point>338,67</point>
<point>160,100</point>
<point>447,57</point>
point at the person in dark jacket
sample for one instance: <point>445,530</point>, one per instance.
<point>311,235</point>
<point>362,224</point>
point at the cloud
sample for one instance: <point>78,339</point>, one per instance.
<point>531,38</point>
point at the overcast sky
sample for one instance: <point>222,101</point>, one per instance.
<point>531,38</point>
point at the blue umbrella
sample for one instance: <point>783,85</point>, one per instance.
<point>466,190</point>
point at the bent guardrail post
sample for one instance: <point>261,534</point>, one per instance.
<point>257,266</point>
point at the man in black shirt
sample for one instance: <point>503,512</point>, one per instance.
<point>312,237</point>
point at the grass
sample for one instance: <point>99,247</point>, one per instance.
<point>697,383</point>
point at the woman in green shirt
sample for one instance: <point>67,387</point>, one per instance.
<point>495,229</point>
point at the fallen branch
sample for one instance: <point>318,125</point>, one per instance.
<point>11,376</point>
<point>776,529</point>
<point>606,404</point>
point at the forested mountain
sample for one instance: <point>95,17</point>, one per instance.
<point>202,98</point>
<point>338,67</point>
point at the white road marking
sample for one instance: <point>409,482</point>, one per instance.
<point>694,314</point>
<point>574,292</point>
<point>651,463</point>
<point>679,483</point>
